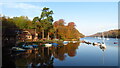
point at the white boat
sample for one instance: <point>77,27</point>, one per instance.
<point>74,41</point>
<point>116,37</point>
<point>107,37</point>
<point>95,43</point>
<point>99,38</point>
<point>65,42</point>
<point>98,43</point>
<point>17,49</point>
<point>27,46</point>
<point>103,46</point>
<point>48,45</point>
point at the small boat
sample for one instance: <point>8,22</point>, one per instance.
<point>74,41</point>
<point>95,43</point>
<point>115,42</point>
<point>55,44</point>
<point>65,42</point>
<point>107,39</point>
<point>34,46</point>
<point>18,49</point>
<point>99,38</point>
<point>48,45</point>
<point>27,46</point>
<point>116,37</point>
<point>103,46</point>
<point>88,42</point>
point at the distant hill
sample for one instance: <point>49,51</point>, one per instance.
<point>111,34</point>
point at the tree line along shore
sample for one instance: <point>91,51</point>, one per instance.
<point>40,28</point>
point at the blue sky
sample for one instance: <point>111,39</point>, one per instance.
<point>89,17</point>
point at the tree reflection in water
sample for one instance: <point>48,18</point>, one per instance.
<point>44,57</point>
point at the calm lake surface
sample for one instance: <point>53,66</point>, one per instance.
<point>73,54</point>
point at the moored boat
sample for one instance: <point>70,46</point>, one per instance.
<point>115,42</point>
<point>18,49</point>
<point>103,46</point>
<point>55,44</point>
<point>48,45</point>
<point>65,42</point>
<point>107,39</point>
<point>74,41</point>
<point>96,43</point>
<point>34,46</point>
<point>27,46</point>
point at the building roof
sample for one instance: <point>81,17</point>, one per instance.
<point>32,31</point>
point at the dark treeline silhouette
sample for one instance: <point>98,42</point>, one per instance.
<point>8,31</point>
<point>8,40</point>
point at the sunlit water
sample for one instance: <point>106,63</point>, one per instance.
<point>73,54</point>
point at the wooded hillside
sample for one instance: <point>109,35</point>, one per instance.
<point>111,34</point>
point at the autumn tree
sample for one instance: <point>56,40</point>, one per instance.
<point>68,32</point>
<point>71,24</point>
<point>59,27</point>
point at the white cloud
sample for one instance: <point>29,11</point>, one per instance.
<point>20,9</point>
<point>20,5</point>
<point>1,4</point>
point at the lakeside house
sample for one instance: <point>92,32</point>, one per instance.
<point>27,34</point>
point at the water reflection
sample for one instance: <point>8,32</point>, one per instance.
<point>102,46</point>
<point>43,56</point>
<point>62,55</point>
